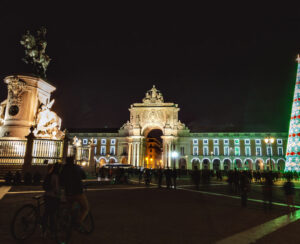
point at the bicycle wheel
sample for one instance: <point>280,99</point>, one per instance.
<point>63,226</point>
<point>24,222</point>
<point>88,223</point>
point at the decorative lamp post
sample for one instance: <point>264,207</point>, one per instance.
<point>269,141</point>
<point>174,156</point>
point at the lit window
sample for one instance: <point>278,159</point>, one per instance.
<point>257,141</point>
<point>280,151</point>
<point>103,141</point>
<point>226,142</point>
<point>236,141</point>
<point>226,151</point>
<point>248,151</point>
<point>237,151</point>
<point>247,142</point>
<point>95,150</point>
<point>216,141</point>
<point>95,141</point>
<point>112,141</point>
<point>205,151</point>
<point>112,150</point>
<point>103,150</point>
<point>216,151</point>
<point>85,141</point>
<point>279,141</point>
<point>269,151</point>
<point>205,141</point>
<point>195,141</point>
<point>258,151</point>
<point>195,151</point>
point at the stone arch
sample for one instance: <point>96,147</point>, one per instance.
<point>216,164</point>
<point>226,164</point>
<point>195,162</point>
<point>270,166</point>
<point>280,164</point>
<point>238,164</point>
<point>259,164</point>
<point>206,163</point>
<point>248,163</point>
<point>182,163</point>
<point>151,126</point>
<point>112,160</point>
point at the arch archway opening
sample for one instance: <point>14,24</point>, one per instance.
<point>248,164</point>
<point>153,151</point>
<point>226,164</point>
<point>216,164</point>
<point>195,163</point>
<point>259,164</point>
<point>206,164</point>
<point>238,164</point>
<point>281,165</point>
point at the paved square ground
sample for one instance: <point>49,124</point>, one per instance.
<point>134,214</point>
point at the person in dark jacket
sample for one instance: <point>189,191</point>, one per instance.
<point>71,177</point>
<point>168,177</point>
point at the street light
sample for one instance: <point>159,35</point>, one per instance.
<point>174,156</point>
<point>146,162</point>
<point>269,141</point>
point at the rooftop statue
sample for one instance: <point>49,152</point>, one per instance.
<point>35,51</point>
<point>153,96</point>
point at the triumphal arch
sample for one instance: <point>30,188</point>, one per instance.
<point>152,113</point>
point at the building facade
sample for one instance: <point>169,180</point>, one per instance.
<point>224,151</point>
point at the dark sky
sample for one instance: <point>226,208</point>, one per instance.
<point>226,66</point>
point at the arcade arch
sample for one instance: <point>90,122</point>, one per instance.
<point>195,163</point>
<point>281,164</point>
<point>259,164</point>
<point>248,164</point>
<point>206,163</point>
<point>216,164</point>
<point>226,164</point>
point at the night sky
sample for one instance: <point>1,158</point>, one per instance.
<point>227,67</point>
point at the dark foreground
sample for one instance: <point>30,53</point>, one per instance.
<point>134,214</point>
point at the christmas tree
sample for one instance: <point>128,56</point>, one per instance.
<point>293,145</point>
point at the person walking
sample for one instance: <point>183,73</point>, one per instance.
<point>174,177</point>
<point>159,177</point>
<point>289,191</point>
<point>168,177</point>
<point>244,188</point>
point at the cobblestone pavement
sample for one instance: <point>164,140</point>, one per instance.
<point>135,214</point>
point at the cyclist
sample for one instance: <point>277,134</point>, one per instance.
<point>71,178</point>
<point>51,196</point>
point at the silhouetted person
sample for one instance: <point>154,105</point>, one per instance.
<point>159,177</point>
<point>8,178</point>
<point>289,191</point>
<point>17,178</point>
<point>174,177</point>
<point>196,177</point>
<point>168,177</point>
<point>268,191</point>
<point>244,188</point>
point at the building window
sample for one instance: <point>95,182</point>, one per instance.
<point>124,150</point>
<point>236,141</point>
<point>95,141</point>
<point>269,151</point>
<point>216,141</point>
<point>103,141</point>
<point>226,142</point>
<point>258,151</point>
<point>226,151</point>
<point>195,141</point>
<point>247,142</point>
<point>279,141</point>
<point>112,150</point>
<point>103,150</point>
<point>257,141</point>
<point>112,141</point>
<point>205,151</point>
<point>95,150</point>
<point>216,151</point>
<point>248,151</point>
<point>205,141</point>
<point>195,151</point>
<point>237,151</point>
<point>182,151</point>
<point>280,151</point>
<point>85,141</point>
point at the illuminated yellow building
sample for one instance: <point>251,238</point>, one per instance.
<point>153,153</point>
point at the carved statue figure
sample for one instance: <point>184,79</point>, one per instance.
<point>48,123</point>
<point>2,111</point>
<point>15,89</point>
<point>153,96</point>
<point>35,51</point>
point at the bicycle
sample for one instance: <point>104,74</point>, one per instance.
<point>29,216</point>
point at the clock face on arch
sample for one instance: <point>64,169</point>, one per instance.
<point>13,110</point>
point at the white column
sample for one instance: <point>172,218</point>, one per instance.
<point>129,152</point>
<point>137,153</point>
<point>133,154</point>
